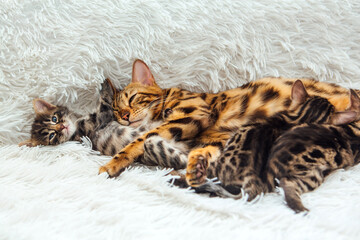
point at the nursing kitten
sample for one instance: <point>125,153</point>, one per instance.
<point>256,155</point>
<point>210,119</point>
<point>302,157</point>
<point>57,124</point>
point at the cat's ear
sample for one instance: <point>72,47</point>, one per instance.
<point>107,88</point>
<point>28,143</point>
<point>345,117</point>
<point>108,92</point>
<point>298,92</point>
<point>142,74</point>
<point>42,107</point>
<point>354,101</point>
<point>109,83</point>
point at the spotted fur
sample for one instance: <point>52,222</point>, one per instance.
<point>304,156</point>
<point>298,156</point>
<point>209,119</point>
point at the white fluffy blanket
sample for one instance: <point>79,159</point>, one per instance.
<point>62,50</point>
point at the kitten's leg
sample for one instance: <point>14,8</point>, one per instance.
<point>250,183</point>
<point>199,159</point>
<point>159,152</point>
<point>292,189</point>
<point>178,128</point>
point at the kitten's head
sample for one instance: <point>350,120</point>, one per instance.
<point>138,101</point>
<point>316,109</point>
<point>52,125</point>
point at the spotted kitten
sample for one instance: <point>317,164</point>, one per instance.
<point>256,155</point>
<point>302,157</point>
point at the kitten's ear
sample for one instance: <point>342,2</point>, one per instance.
<point>108,92</point>
<point>345,117</point>
<point>107,88</point>
<point>109,83</point>
<point>354,101</point>
<point>298,92</point>
<point>41,106</point>
<point>28,143</point>
<point>142,74</point>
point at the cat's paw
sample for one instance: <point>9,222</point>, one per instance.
<point>115,167</point>
<point>196,168</point>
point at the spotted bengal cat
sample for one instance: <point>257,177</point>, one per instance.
<point>256,155</point>
<point>210,118</point>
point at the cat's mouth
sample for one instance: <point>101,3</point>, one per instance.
<point>68,129</point>
<point>135,123</point>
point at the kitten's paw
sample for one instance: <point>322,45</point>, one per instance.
<point>196,168</point>
<point>113,168</point>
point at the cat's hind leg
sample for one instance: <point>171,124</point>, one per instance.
<point>292,190</point>
<point>213,142</point>
<point>159,152</point>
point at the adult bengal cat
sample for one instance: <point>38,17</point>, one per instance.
<point>210,118</point>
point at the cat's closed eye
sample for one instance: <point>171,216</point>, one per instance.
<point>132,98</point>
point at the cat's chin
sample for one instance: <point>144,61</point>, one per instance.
<point>136,123</point>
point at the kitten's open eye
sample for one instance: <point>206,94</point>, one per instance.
<point>51,136</point>
<point>54,119</point>
<point>132,98</point>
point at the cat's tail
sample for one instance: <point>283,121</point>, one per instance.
<point>210,186</point>
<point>292,193</point>
<point>216,189</point>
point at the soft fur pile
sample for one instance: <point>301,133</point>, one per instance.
<point>62,51</point>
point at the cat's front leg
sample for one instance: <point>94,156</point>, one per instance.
<point>179,129</point>
<point>123,159</point>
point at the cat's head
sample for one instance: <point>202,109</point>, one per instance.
<point>139,101</point>
<point>52,125</point>
<point>316,109</point>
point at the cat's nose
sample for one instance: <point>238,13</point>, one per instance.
<point>125,116</point>
<point>61,127</point>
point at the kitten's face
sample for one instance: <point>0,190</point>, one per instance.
<point>53,128</point>
<point>53,125</point>
<point>136,103</point>
<point>315,109</point>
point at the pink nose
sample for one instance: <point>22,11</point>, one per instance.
<point>125,116</point>
<point>61,127</point>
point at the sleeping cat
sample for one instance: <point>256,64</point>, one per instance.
<point>300,158</point>
<point>56,124</point>
<point>211,119</point>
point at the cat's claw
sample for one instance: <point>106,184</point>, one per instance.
<point>196,170</point>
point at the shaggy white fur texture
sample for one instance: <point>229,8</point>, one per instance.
<point>61,51</point>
